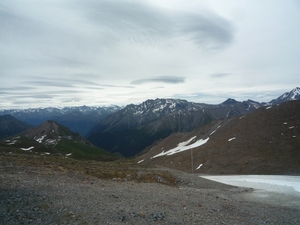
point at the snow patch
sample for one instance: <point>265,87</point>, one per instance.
<point>51,141</point>
<point>69,154</point>
<point>183,146</point>
<point>230,139</point>
<point>212,132</point>
<point>215,130</point>
<point>27,149</point>
<point>199,167</point>
<point>269,107</point>
<point>141,161</point>
<point>291,127</point>
<point>11,142</point>
<point>39,140</point>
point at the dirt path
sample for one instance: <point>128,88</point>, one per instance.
<point>35,195</point>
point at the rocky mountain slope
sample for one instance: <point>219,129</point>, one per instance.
<point>50,138</point>
<point>135,127</point>
<point>79,119</point>
<point>10,126</point>
<point>266,141</point>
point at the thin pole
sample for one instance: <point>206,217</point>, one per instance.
<point>192,160</point>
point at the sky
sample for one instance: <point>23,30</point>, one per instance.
<point>100,52</point>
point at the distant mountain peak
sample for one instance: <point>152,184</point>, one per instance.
<point>287,96</point>
<point>47,128</point>
<point>50,133</point>
<point>295,93</point>
<point>230,101</point>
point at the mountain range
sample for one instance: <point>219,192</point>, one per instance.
<point>135,128</point>
<point>79,119</point>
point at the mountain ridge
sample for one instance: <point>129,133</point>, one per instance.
<point>10,126</point>
<point>130,130</point>
<point>82,122</point>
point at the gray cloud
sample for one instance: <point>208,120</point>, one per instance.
<point>50,83</point>
<point>160,79</point>
<point>219,75</point>
<point>17,88</point>
<point>71,100</point>
<point>69,83</point>
<point>142,23</point>
<point>115,86</point>
<point>159,87</point>
<point>125,19</point>
<point>212,31</point>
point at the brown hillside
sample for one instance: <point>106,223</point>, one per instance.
<point>45,128</point>
<point>266,141</point>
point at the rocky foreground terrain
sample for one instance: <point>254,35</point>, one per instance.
<point>49,190</point>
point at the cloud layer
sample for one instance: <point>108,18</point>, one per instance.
<point>93,52</point>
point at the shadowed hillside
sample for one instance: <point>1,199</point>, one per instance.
<point>11,126</point>
<point>266,141</point>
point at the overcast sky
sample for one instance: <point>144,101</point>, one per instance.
<point>101,52</point>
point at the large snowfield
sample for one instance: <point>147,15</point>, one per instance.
<point>275,189</point>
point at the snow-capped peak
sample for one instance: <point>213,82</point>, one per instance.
<point>295,93</point>
<point>288,96</point>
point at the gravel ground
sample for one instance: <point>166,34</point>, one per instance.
<point>34,195</point>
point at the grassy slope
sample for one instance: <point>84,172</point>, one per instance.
<point>118,170</point>
<point>79,150</point>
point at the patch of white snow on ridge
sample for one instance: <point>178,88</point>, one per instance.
<point>296,92</point>
<point>212,132</point>
<point>215,130</point>
<point>269,107</point>
<point>285,123</point>
<point>183,146</point>
<point>141,161</point>
<point>69,154</point>
<point>12,142</point>
<point>173,105</point>
<point>27,149</point>
<point>199,167</point>
<point>291,127</point>
<point>39,140</point>
<point>230,139</point>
